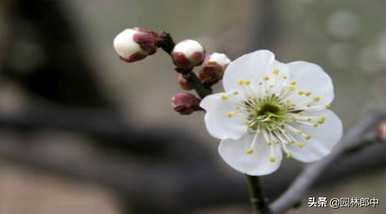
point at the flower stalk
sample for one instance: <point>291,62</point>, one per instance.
<point>256,197</point>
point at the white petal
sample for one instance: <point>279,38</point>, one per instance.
<point>217,120</point>
<point>248,67</point>
<point>258,163</point>
<point>310,77</point>
<point>323,138</point>
<point>280,79</point>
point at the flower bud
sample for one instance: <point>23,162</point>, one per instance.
<point>219,59</point>
<point>185,103</point>
<point>184,83</point>
<point>188,53</point>
<point>381,131</point>
<point>213,68</point>
<point>134,44</point>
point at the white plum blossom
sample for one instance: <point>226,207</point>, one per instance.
<point>270,108</point>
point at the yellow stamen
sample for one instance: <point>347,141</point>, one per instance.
<point>316,99</point>
<point>249,151</point>
<point>231,114</point>
<point>272,159</point>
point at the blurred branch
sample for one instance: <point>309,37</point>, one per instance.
<point>313,172</point>
<point>179,186</point>
<point>110,128</point>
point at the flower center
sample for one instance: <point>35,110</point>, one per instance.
<point>267,113</point>
<point>268,108</point>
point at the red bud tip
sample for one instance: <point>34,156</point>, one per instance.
<point>185,103</point>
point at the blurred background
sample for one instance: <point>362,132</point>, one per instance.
<point>83,132</point>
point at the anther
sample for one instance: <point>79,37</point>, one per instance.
<point>231,114</point>
<point>272,159</point>
<point>249,151</point>
<point>316,99</point>
<point>224,97</point>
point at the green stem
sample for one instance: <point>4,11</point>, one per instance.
<point>258,202</point>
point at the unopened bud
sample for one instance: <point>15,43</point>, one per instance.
<point>134,44</point>
<point>219,59</point>
<point>381,131</point>
<point>184,83</point>
<point>188,53</point>
<point>213,68</point>
<point>185,103</point>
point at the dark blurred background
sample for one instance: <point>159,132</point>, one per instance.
<point>83,132</point>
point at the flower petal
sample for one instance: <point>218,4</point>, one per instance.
<point>221,118</point>
<point>248,67</point>
<point>323,138</point>
<point>258,163</point>
<point>310,77</point>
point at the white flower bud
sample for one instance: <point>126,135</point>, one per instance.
<point>219,58</point>
<point>213,68</point>
<point>134,44</point>
<point>188,53</point>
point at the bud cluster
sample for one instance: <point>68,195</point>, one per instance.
<point>135,44</point>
